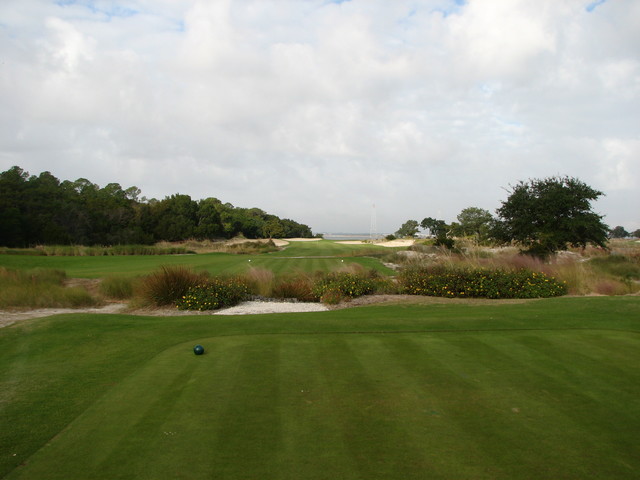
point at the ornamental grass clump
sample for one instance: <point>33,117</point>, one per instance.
<point>213,294</point>
<point>440,281</point>
<point>299,287</point>
<point>170,283</point>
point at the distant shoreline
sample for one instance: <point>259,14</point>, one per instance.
<point>352,236</point>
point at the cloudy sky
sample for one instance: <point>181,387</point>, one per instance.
<point>316,110</point>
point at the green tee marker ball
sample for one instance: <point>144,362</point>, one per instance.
<point>198,349</point>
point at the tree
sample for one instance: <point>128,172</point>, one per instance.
<point>176,218</point>
<point>273,229</point>
<point>13,227</point>
<point>550,214</point>
<point>408,229</point>
<point>618,232</point>
<point>473,221</point>
<point>209,225</point>
<point>437,228</point>
<point>636,234</point>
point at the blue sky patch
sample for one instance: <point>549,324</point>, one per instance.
<point>109,10</point>
<point>593,5</point>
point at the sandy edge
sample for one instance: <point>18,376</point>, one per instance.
<point>10,317</point>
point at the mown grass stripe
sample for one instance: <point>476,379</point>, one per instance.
<point>377,444</point>
<point>249,431</point>
<point>313,447</point>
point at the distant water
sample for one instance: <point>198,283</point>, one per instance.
<point>351,236</point>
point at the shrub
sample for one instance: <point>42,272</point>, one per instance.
<point>170,283</point>
<point>347,284</point>
<point>440,281</point>
<point>332,296</point>
<point>445,242</point>
<point>214,294</point>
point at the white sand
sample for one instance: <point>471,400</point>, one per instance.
<point>245,308</point>
<point>392,243</point>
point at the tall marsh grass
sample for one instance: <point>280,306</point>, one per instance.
<point>260,281</point>
<point>295,286</point>
<point>40,288</point>
<point>169,284</point>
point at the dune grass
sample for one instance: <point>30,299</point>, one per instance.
<point>539,389</point>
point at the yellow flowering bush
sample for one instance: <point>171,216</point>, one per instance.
<point>441,281</point>
<point>214,294</point>
<point>344,284</point>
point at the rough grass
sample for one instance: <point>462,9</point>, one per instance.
<point>541,389</point>
<point>118,287</point>
<point>40,288</point>
<point>96,251</point>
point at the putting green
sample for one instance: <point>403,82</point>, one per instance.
<point>466,404</point>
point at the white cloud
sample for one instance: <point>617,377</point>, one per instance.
<point>316,110</point>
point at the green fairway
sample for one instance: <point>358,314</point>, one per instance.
<point>543,389</point>
<point>298,256</point>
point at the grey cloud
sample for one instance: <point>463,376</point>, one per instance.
<point>316,110</point>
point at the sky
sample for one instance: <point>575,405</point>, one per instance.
<point>345,115</point>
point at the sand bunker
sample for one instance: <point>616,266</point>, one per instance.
<point>392,243</point>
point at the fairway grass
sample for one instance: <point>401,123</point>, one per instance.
<point>309,257</point>
<point>542,389</point>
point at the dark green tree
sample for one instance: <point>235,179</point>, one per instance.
<point>273,228</point>
<point>175,218</point>
<point>13,184</point>
<point>293,229</point>
<point>41,210</point>
<point>209,225</point>
<point>550,214</point>
<point>44,204</point>
<point>618,232</point>
<point>408,229</point>
<point>437,228</point>
<point>474,222</point>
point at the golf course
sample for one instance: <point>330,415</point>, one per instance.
<point>477,389</point>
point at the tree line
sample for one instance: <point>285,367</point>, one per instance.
<point>42,210</point>
<point>543,216</point>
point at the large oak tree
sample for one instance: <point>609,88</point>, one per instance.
<point>550,214</point>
